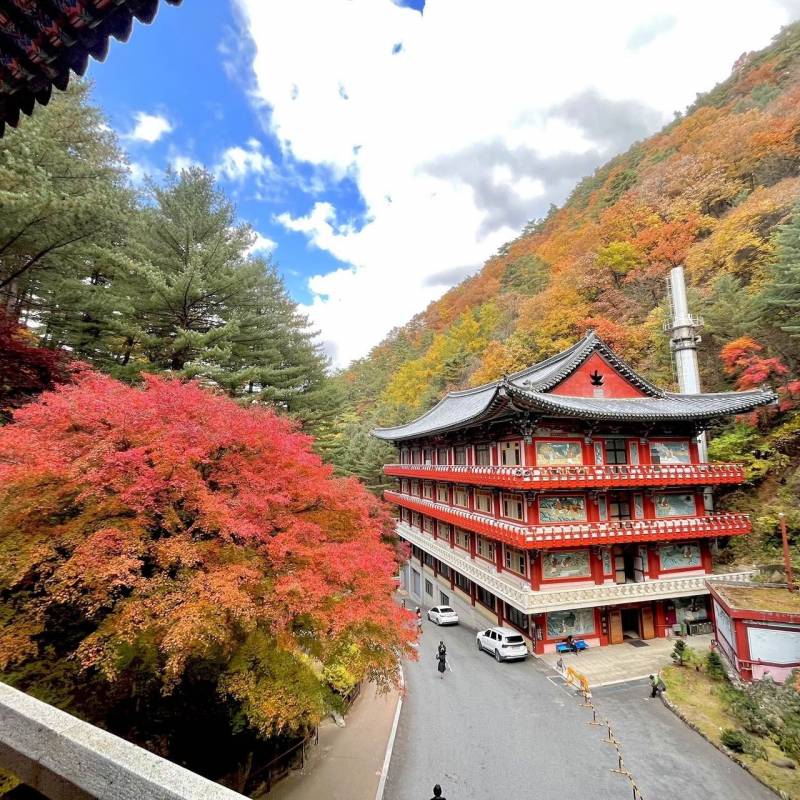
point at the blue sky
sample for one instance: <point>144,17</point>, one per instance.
<point>191,68</point>
<point>384,149</point>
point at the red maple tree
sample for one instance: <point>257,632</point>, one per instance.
<point>179,528</point>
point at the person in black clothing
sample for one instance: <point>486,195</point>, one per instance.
<point>442,648</point>
<point>570,642</point>
<point>437,793</point>
<point>442,665</point>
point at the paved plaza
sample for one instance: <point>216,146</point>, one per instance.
<point>624,662</point>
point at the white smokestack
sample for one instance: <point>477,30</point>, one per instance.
<point>684,340</point>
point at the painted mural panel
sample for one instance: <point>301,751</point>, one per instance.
<point>674,505</point>
<point>575,622</point>
<point>562,509</point>
<point>566,564</point>
<point>679,556</point>
<point>558,453</point>
<point>606,561</point>
<point>670,452</point>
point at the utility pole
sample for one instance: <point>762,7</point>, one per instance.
<point>787,561</point>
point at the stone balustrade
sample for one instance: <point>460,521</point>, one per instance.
<point>520,595</point>
<point>604,476</point>
<point>578,533</point>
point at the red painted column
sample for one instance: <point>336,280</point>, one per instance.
<point>699,505</point>
<point>472,545</point>
<point>705,555</point>
<point>694,453</point>
<point>452,536</point>
<point>644,452</point>
<point>660,619</point>
<point>539,622</point>
<point>596,563</point>
<point>534,566</point>
<point>653,563</point>
<point>498,555</point>
<point>743,649</point>
<point>499,611</point>
<point>472,592</point>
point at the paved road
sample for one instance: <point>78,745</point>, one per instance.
<point>493,731</point>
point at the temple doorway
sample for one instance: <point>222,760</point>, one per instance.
<point>631,623</point>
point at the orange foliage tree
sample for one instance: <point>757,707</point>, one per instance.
<point>150,535</point>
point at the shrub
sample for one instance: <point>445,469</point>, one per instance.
<point>740,742</point>
<point>714,667</point>
<point>679,652</point>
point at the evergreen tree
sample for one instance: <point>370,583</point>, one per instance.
<point>203,307</point>
<point>65,208</point>
<point>782,294</point>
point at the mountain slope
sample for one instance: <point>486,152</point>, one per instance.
<point>709,191</point>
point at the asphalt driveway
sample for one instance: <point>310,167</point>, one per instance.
<point>489,731</point>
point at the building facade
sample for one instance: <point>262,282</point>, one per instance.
<point>568,498</point>
<point>757,629</point>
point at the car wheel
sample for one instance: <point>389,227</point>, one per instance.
<point>480,646</point>
<point>497,656</point>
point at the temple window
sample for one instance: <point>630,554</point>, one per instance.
<point>615,451</point>
<point>513,507</point>
<point>483,502</point>
<point>483,455</point>
<point>510,454</point>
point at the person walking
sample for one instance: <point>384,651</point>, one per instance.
<point>437,793</point>
<point>419,619</point>
<point>657,686</point>
<point>442,648</point>
<point>442,665</point>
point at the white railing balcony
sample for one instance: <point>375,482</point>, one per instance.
<point>519,593</point>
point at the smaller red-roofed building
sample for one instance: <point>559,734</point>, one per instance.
<point>757,629</point>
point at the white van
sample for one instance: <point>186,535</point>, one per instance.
<point>506,644</point>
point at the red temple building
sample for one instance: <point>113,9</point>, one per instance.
<point>568,498</point>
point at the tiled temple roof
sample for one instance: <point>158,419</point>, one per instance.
<point>42,40</point>
<point>529,391</point>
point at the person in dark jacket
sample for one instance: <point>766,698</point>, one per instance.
<point>442,648</point>
<point>437,793</point>
<point>441,657</point>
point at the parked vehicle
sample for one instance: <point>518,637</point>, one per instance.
<point>504,643</point>
<point>443,615</point>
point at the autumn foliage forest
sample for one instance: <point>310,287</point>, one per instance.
<point>177,562</point>
<point>717,190</point>
<point>186,556</point>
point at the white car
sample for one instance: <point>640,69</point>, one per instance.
<point>443,615</point>
<point>504,643</point>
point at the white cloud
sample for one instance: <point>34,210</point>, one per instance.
<point>486,114</point>
<point>262,244</point>
<point>149,128</point>
<point>180,162</point>
<point>236,163</point>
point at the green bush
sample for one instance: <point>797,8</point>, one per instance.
<point>733,740</point>
<point>714,667</point>
<point>679,652</point>
<point>740,742</point>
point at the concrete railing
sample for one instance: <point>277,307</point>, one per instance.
<point>519,593</point>
<point>64,758</point>
<point>575,477</point>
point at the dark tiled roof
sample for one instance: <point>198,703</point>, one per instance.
<point>42,40</point>
<point>688,407</point>
<point>529,390</point>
